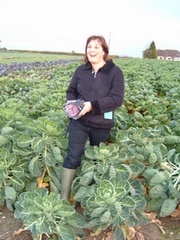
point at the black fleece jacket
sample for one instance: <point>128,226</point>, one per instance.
<point>105,91</point>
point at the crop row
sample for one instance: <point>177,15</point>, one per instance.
<point>137,172</point>
<point>5,69</point>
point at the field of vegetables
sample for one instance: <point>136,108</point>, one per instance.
<point>119,184</point>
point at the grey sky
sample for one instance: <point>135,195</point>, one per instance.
<point>64,25</point>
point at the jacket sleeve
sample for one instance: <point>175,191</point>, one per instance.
<point>115,97</point>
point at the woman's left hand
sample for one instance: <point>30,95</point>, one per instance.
<point>87,108</point>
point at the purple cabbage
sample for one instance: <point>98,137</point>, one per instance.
<point>73,108</point>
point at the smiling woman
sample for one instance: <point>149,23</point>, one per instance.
<point>99,83</point>
<point>96,52</point>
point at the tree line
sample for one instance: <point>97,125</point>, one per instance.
<point>150,52</point>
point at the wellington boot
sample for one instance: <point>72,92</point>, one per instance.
<point>66,182</point>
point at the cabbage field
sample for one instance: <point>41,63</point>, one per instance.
<point>118,183</point>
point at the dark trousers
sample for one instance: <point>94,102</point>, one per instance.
<point>78,135</point>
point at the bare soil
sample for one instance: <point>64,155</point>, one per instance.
<point>159,229</point>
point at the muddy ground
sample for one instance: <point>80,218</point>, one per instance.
<point>158,229</point>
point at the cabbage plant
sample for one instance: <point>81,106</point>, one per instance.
<point>45,213</point>
<point>163,196</point>
<point>107,191</point>
<point>114,203</point>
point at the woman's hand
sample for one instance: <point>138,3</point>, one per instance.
<point>87,108</point>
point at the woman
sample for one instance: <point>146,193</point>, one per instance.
<point>100,84</point>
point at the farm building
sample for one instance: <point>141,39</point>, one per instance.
<point>168,54</point>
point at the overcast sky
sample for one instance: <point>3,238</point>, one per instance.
<point>129,26</point>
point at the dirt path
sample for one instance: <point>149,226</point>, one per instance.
<point>168,229</point>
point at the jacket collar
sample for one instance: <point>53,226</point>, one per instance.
<point>105,69</point>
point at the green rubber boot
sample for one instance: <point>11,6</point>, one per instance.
<point>66,182</point>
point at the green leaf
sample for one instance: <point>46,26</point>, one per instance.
<point>67,210</point>
<point>35,167</point>
<point>152,158</point>
<point>57,154</point>
<point>38,144</point>
<point>10,193</point>
<point>149,173</point>
<point>56,180</point>
<point>105,217</point>
<point>77,221</point>
<point>118,207</point>
<point>98,212</point>
<point>136,168</point>
<point>137,186</point>
<point>18,183</point>
<point>9,204</point>
<point>65,232</point>
<point>3,141</point>
<point>102,168</point>
<point>168,206</point>
<point>88,166</point>
<point>86,179</point>
<point>41,192</point>
<point>24,140</point>
<point>138,116</point>
<point>154,204</point>
<point>51,130</point>
<point>119,233</point>
<point>128,202</point>
<point>6,130</point>
<point>48,158</point>
<point>177,159</point>
<point>158,178</point>
<point>139,200</point>
<point>124,172</point>
<point>89,153</point>
<point>21,152</point>
<point>80,193</point>
<point>18,171</point>
<point>158,191</point>
<point>133,219</point>
<point>170,140</point>
<point>93,222</point>
<point>143,220</point>
<point>6,157</point>
<point>53,187</point>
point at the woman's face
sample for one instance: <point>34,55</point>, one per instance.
<point>95,51</point>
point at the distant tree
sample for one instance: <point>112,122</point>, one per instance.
<point>150,52</point>
<point>147,53</point>
<point>153,50</point>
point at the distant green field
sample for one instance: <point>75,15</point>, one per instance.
<point>8,57</point>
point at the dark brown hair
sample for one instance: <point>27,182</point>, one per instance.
<point>103,44</point>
